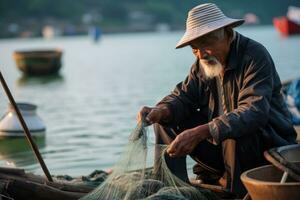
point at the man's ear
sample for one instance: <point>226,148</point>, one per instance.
<point>195,52</point>
<point>229,33</point>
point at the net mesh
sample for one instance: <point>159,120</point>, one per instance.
<point>131,180</point>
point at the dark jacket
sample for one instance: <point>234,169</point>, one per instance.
<point>252,92</point>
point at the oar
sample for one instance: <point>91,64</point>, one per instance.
<point>25,128</point>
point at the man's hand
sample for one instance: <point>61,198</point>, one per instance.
<point>186,141</point>
<point>154,114</point>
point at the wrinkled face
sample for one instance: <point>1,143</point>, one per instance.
<point>212,50</point>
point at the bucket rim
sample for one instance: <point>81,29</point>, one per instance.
<point>253,181</point>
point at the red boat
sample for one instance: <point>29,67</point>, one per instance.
<point>285,26</point>
<point>290,24</point>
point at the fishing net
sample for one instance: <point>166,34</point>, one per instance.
<point>131,180</point>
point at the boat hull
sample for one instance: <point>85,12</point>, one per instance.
<point>39,62</point>
<point>285,26</point>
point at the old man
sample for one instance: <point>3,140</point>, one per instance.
<point>228,110</point>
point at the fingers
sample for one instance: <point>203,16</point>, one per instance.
<point>179,147</point>
<point>143,112</point>
<point>171,150</point>
<point>150,114</point>
<point>174,149</point>
<point>154,115</point>
<point>184,143</point>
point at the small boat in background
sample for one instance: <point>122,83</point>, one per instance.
<point>38,62</point>
<point>290,24</point>
<point>95,33</point>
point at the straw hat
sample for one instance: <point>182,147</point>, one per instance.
<point>204,19</point>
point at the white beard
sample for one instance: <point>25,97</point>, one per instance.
<point>211,66</point>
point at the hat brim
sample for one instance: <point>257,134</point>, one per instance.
<point>200,31</point>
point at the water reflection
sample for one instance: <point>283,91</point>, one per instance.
<point>25,80</point>
<point>17,152</point>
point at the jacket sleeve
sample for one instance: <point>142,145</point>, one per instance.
<point>253,100</point>
<point>184,98</point>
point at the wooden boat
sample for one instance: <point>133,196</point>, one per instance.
<point>38,62</point>
<point>16,184</point>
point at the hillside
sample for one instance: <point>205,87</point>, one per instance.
<point>76,17</point>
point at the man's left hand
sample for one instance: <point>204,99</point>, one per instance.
<point>186,141</point>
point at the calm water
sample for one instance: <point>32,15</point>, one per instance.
<point>90,108</point>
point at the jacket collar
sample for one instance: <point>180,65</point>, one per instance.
<point>233,53</point>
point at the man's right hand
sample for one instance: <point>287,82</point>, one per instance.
<point>154,114</point>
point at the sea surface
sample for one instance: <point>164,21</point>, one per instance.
<point>90,108</point>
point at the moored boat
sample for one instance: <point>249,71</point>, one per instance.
<point>285,26</point>
<point>38,62</point>
<point>16,184</point>
<point>290,24</point>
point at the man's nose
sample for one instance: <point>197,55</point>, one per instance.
<point>202,53</point>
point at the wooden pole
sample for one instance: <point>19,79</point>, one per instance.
<point>25,128</point>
